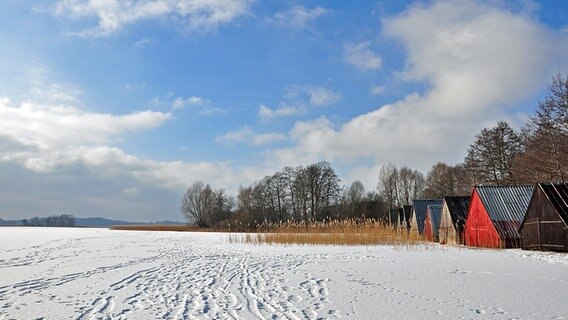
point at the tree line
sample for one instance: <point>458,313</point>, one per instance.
<point>499,155</point>
<point>63,220</point>
<point>303,193</point>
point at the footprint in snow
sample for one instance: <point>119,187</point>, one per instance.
<point>479,311</point>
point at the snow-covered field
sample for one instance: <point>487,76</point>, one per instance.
<point>103,274</point>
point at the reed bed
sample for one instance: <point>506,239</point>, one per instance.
<point>350,232</point>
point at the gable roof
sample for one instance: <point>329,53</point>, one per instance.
<point>557,194</point>
<point>435,211</point>
<point>419,207</point>
<point>458,208</point>
<point>506,206</point>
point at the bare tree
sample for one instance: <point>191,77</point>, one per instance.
<point>490,158</point>
<point>322,185</point>
<point>418,185</point>
<point>388,184</point>
<point>271,194</point>
<point>546,138</point>
<point>288,178</point>
<point>445,180</point>
<point>463,181</point>
<point>374,206</point>
<point>440,181</point>
<point>411,185</point>
<point>355,195</point>
<point>204,206</point>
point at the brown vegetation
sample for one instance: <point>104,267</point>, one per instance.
<point>351,232</point>
<point>335,232</point>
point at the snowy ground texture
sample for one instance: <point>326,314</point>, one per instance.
<point>103,274</point>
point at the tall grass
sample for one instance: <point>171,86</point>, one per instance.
<point>349,232</point>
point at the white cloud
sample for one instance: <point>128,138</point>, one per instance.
<point>316,96</point>
<point>208,111</point>
<point>134,86</point>
<point>477,60</point>
<point>48,139</point>
<point>377,90</point>
<point>144,42</point>
<point>56,138</point>
<point>241,136</point>
<point>267,138</point>
<point>297,99</point>
<point>204,106</point>
<point>268,113</point>
<point>246,135</point>
<point>49,126</point>
<point>132,192</point>
<point>361,56</point>
<point>298,17</point>
<point>180,102</point>
<point>113,15</point>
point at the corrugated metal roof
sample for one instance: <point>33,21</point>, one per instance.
<point>419,207</point>
<point>458,207</point>
<point>506,206</point>
<point>557,194</point>
<point>435,211</point>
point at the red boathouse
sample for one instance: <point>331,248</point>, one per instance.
<point>495,216</point>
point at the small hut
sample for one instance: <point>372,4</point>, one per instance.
<point>495,216</point>
<point>400,220</point>
<point>393,218</point>
<point>407,210</point>
<point>452,223</point>
<point>419,214</point>
<point>432,222</point>
<point>545,226</point>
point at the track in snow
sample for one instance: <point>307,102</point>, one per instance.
<point>101,274</point>
<point>179,279</point>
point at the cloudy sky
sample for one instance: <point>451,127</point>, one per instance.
<point>112,108</point>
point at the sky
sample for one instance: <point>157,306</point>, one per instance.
<point>113,108</point>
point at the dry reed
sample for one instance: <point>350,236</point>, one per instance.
<point>349,232</point>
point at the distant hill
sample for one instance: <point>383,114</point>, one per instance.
<point>104,222</point>
<point>97,222</point>
<point>100,222</point>
<point>10,222</point>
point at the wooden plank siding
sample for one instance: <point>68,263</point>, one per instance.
<point>479,230</point>
<point>543,228</point>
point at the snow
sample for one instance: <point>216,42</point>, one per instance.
<point>104,274</point>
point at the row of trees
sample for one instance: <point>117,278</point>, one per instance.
<point>499,155</point>
<point>545,139</point>
<point>302,193</point>
<point>64,220</point>
<point>538,152</point>
<point>399,187</point>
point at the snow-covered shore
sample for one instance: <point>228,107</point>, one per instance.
<point>103,274</point>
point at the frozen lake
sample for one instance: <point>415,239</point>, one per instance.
<point>103,274</point>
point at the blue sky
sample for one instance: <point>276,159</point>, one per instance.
<point>112,108</point>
